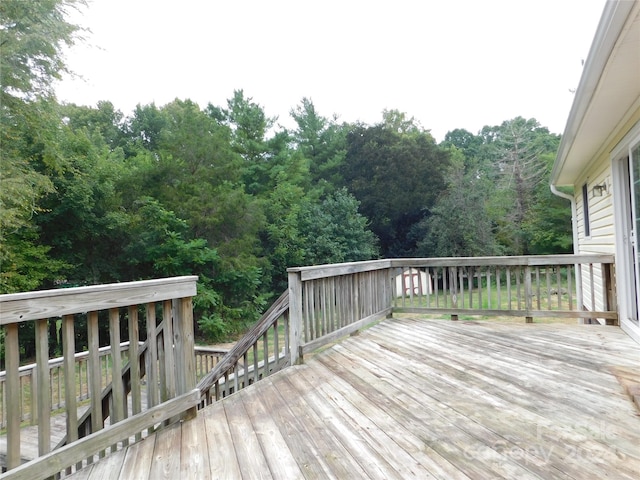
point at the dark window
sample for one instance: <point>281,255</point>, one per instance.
<point>585,207</point>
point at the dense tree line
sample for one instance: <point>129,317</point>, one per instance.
<point>91,195</point>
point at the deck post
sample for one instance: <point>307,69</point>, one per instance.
<point>295,316</point>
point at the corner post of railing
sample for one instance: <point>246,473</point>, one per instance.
<point>528,291</point>
<point>185,350</point>
<point>295,316</point>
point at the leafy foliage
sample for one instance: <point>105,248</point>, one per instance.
<point>90,195</point>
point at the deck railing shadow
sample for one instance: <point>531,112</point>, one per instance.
<point>322,304</point>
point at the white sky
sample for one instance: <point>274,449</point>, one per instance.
<point>448,63</point>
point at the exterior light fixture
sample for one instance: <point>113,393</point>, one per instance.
<point>599,190</point>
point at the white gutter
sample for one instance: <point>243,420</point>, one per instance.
<point>574,213</point>
<point>574,230</point>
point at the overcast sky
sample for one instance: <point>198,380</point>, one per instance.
<point>448,63</point>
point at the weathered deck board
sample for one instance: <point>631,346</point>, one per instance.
<point>419,398</point>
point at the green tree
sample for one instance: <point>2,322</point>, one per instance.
<point>322,142</point>
<point>82,220</point>
<point>104,123</point>
<point>520,167</point>
<point>334,231</point>
<point>249,126</point>
<point>32,35</point>
<point>395,176</point>
<point>459,224</point>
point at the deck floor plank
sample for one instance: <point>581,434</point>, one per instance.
<point>414,397</point>
<point>520,374</point>
<point>490,423</point>
<point>251,458</point>
<point>290,421</point>
<point>137,462</point>
<point>451,435</point>
<point>374,465</point>
<point>223,463</point>
<point>195,454</point>
<point>282,463</point>
<point>167,450</point>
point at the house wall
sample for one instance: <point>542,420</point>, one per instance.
<point>602,217</point>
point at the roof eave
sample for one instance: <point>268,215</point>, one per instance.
<point>611,23</point>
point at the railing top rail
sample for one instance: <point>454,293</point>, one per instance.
<point>20,307</point>
<point>323,271</point>
<point>528,260</point>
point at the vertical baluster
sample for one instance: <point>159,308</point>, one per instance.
<point>570,286</point>
<point>70,394</point>
<point>276,343</point>
<point>265,355</point>
<point>509,295</point>
<point>559,289</point>
<point>437,285</point>
<point>478,274</point>
<point>592,288</point>
<point>519,286</point>
<point>245,370</point>
<point>184,349</point>
<point>470,274</point>
<point>538,306</point>
<point>256,369</point>
<point>331,300</point>
<point>499,286</point>
<point>43,404</point>
<point>489,302</point>
<point>528,294</point>
<point>95,376</point>
<point>134,363</point>
<point>169,359</point>
<point>151,363</point>
<point>12,364</point>
<point>548,278</point>
<point>117,387</point>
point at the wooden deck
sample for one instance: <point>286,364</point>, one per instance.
<point>416,398</point>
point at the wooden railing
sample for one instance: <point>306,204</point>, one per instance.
<point>29,385</point>
<point>322,304</point>
<point>162,368</point>
<point>554,286</point>
<point>261,352</point>
<point>207,358</point>
<point>329,301</point>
